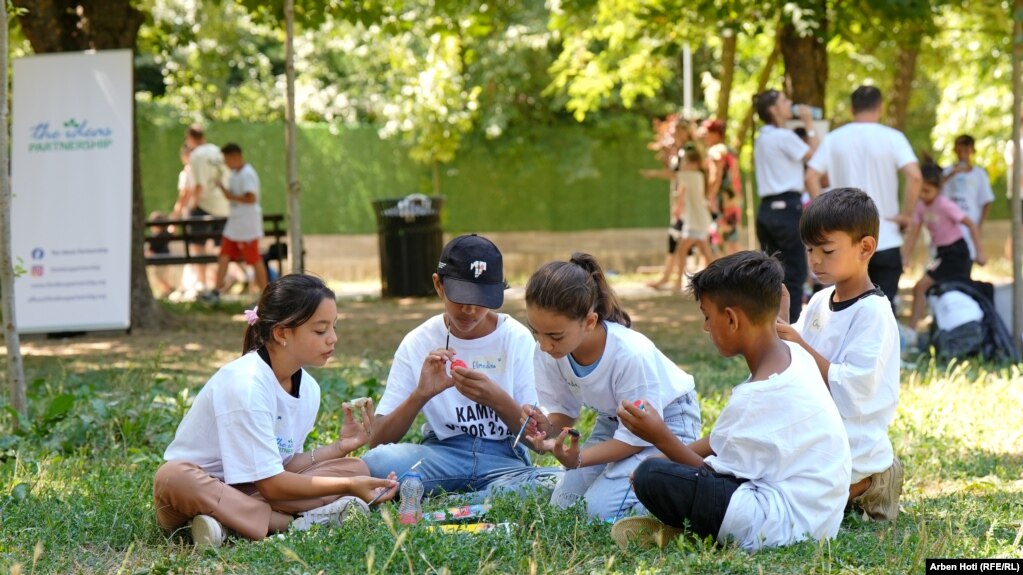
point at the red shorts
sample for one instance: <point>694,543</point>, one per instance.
<point>247,252</point>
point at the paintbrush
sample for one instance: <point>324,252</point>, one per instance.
<point>522,430</point>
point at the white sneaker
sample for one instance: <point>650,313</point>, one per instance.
<point>207,531</point>
<point>334,513</point>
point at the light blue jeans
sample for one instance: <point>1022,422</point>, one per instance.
<point>463,463</point>
<point>606,488</point>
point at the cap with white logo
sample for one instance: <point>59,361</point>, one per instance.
<point>472,271</point>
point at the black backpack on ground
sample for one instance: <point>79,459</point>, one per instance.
<point>988,337</point>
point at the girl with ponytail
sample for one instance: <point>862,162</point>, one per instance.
<point>589,356</point>
<point>238,460</point>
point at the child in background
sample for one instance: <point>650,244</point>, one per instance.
<point>589,356</point>
<point>692,186</point>
<point>671,135</point>
<point>244,227</point>
<point>775,468</point>
<point>467,371</point>
<point>238,460</point>
<point>861,371</point>
<point>969,187</point>
<point>942,218</point>
<point>159,246</point>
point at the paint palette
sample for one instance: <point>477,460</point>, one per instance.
<point>458,513</point>
<point>473,528</point>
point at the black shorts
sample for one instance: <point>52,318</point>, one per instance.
<point>205,228</point>
<point>952,262</point>
<point>677,493</point>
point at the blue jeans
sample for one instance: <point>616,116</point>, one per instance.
<point>606,488</point>
<point>461,463</point>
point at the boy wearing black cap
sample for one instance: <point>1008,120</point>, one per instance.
<point>467,370</point>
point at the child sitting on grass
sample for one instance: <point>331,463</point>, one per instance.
<point>775,468</point>
<point>237,460</point>
<point>851,333</point>
<point>942,217</point>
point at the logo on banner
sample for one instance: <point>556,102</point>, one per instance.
<point>37,254</point>
<point>37,271</point>
<point>74,135</point>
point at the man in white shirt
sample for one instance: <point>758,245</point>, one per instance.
<point>778,156</point>
<point>867,155</point>
<point>206,163</point>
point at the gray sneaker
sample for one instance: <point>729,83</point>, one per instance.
<point>207,531</point>
<point>881,500</point>
<point>334,513</point>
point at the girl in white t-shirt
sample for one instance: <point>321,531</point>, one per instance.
<point>238,458</point>
<point>589,357</point>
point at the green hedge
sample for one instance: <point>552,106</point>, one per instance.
<point>551,178</point>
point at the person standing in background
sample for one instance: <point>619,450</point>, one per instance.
<point>867,155</point>
<point>778,156</point>
<point>969,187</point>
<point>206,162</point>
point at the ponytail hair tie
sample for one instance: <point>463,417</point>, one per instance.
<point>251,315</point>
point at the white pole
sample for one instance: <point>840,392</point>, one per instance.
<point>687,80</point>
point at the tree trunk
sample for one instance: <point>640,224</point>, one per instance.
<point>15,369</point>
<point>75,25</point>
<point>765,75</point>
<point>729,40</point>
<point>905,73</point>
<point>806,61</point>
<point>294,185</point>
<point>1017,195</point>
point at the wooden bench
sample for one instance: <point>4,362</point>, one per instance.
<point>184,236</point>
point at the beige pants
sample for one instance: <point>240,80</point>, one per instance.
<point>182,490</point>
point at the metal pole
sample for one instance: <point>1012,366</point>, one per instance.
<point>687,80</point>
<point>1017,208</point>
<point>294,186</point>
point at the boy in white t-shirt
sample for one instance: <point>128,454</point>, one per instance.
<point>467,371</point>
<point>850,331</point>
<point>244,226</point>
<point>969,187</point>
<point>775,468</point>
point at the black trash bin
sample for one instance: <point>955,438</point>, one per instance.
<point>411,239</point>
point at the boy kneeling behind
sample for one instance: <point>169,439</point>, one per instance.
<point>775,468</point>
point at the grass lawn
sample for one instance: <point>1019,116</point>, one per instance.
<point>75,490</point>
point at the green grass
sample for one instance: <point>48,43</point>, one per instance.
<point>76,485</point>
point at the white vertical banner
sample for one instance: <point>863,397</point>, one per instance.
<point>71,177</point>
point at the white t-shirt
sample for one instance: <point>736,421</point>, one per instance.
<point>245,222</point>
<point>185,180</point>
<point>868,156</point>
<point>207,165</point>
<point>630,368</point>
<point>862,344</point>
<point>785,436</point>
<point>971,192</point>
<point>243,426</point>
<point>505,356</point>
<point>778,154</point>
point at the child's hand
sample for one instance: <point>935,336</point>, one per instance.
<point>474,385</point>
<point>981,258</point>
<point>535,420</point>
<point>434,378</point>
<point>785,305</point>
<point>367,488</point>
<point>568,456</point>
<point>788,333</point>
<point>354,433</point>
<point>644,423</point>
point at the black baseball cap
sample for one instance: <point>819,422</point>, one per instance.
<point>472,271</point>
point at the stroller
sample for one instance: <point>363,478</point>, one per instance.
<point>966,323</point>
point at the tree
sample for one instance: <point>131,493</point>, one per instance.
<point>804,51</point>
<point>74,25</point>
<point>15,370</point>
